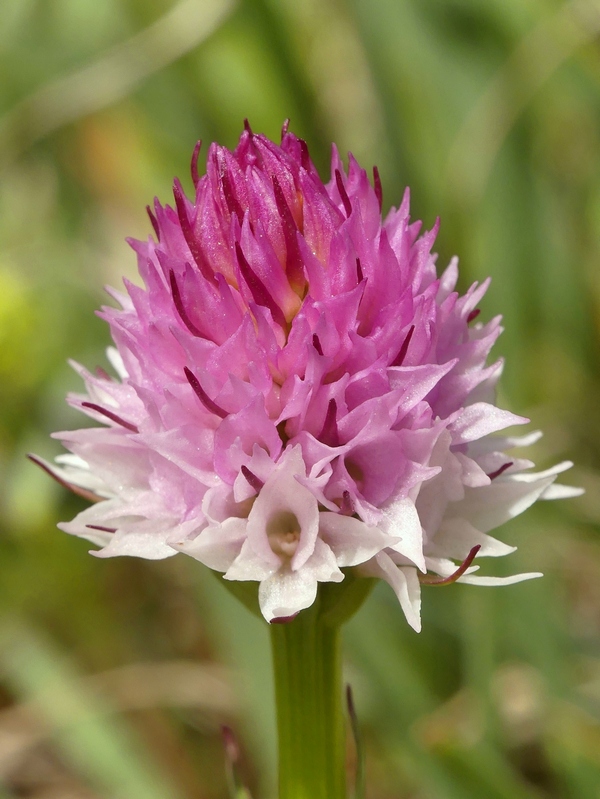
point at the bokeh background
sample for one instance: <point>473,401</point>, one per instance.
<point>115,676</point>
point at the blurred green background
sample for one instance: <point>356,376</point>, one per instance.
<point>116,675</point>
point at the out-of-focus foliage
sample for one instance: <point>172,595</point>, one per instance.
<point>115,675</point>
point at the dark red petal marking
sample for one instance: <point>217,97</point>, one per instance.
<point>343,193</point>
<point>317,344</point>
<point>283,619</point>
<point>399,359</point>
<point>188,234</point>
<point>359,272</point>
<point>252,479</point>
<point>473,315</point>
<point>154,222</point>
<point>501,470</point>
<point>329,433</point>
<point>81,492</point>
<point>103,373</point>
<point>180,308</point>
<point>304,155</point>
<point>230,198</point>
<point>428,580</point>
<point>194,164</point>
<point>202,395</point>
<point>257,288</point>
<point>346,505</point>
<point>103,529</point>
<point>377,187</point>
<point>110,415</point>
<point>294,266</point>
<point>247,127</point>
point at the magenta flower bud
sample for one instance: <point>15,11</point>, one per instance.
<point>298,392</point>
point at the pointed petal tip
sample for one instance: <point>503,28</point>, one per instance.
<point>50,470</point>
<point>415,624</point>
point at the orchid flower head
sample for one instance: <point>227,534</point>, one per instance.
<point>297,392</point>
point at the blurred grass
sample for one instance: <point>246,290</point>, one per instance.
<point>490,111</point>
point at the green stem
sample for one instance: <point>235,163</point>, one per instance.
<point>308,687</point>
<point>310,720</point>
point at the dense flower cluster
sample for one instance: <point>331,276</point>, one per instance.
<point>298,392</point>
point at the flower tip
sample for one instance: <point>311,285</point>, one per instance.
<point>339,182</point>
<point>178,192</point>
<point>153,222</point>
<point>194,163</point>
<point>50,470</point>
<point>377,187</point>
<point>416,624</point>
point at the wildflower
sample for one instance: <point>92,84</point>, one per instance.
<point>297,392</point>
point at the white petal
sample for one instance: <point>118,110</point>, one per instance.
<point>501,443</point>
<point>286,593</point>
<point>101,514</point>
<point>322,563</point>
<point>77,472</point>
<point>251,565</point>
<point>98,537</point>
<point>115,360</point>
<point>522,441</point>
<point>515,578</point>
<point>481,419</point>
<point>472,475</point>
<point>123,299</point>
<point>456,538</point>
<point>147,541</point>
<point>401,520</point>
<point>553,491</point>
<point>219,504</point>
<point>448,280</point>
<point>217,546</point>
<point>558,491</point>
<point>351,540</point>
<point>531,477</point>
<point>404,582</point>
<point>490,506</point>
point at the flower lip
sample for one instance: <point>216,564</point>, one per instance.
<point>283,532</point>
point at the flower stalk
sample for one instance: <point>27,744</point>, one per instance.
<point>309,694</point>
<point>310,722</point>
